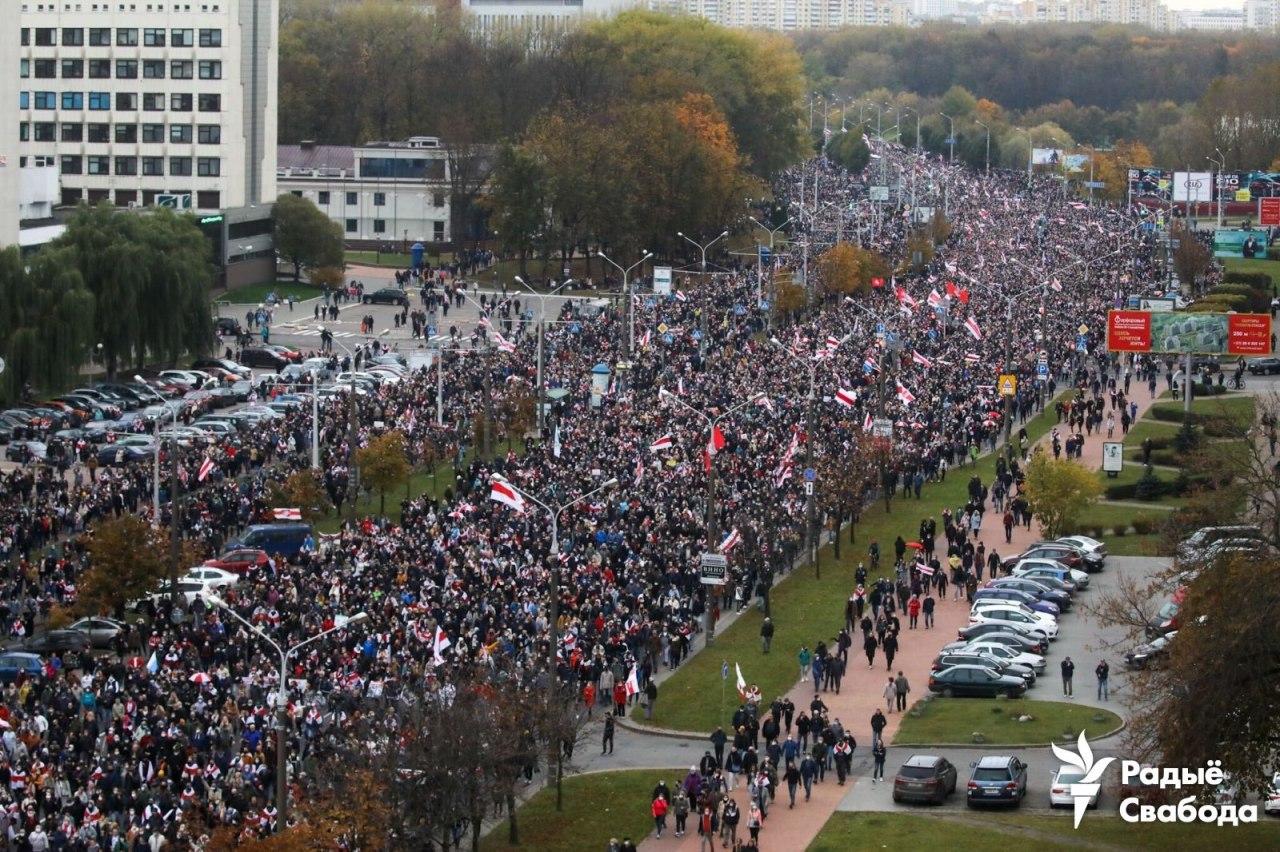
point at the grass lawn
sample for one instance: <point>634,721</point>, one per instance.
<point>1147,428</point>
<point>393,260</point>
<point>955,720</point>
<point>1253,264</point>
<point>964,832</point>
<point>805,609</point>
<point>597,807</point>
<point>1133,471</point>
<point>253,294</point>
<point>1238,408</point>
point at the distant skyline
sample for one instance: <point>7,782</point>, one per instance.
<point>1204,4</point>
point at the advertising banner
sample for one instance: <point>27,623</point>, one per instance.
<point>1269,212</point>
<point>1192,186</point>
<point>1234,242</point>
<point>1179,333</point>
<point>1046,156</point>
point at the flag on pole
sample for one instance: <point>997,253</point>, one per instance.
<point>644,338</point>
<point>663,443</point>
<point>972,325</point>
<point>765,403</point>
<point>206,468</point>
<point>846,397</point>
<point>287,514</point>
<point>924,569</point>
<point>905,395</point>
<point>503,492</point>
<point>680,296</point>
<point>439,646</point>
<point>833,343</point>
<point>866,422</point>
<point>917,358</point>
<point>869,365</point>
<point>742,682</point>
<point>503,344</point>
<point>716,442</point>
<point>935,298</point>
<point>639,470</point>
<point>555,442</point>
<point>972,357</point>
<point>633,683</point>
<point>904,298</point>
<point>153,664</point>
<point>732,540</point>
<point>1055,285</point>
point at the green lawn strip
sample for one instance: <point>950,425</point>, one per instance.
<point>1239,409</point>
<point>1134,545</point>
<point>956,720</point>
<point>981,832</point>
<point>1253,264</point>
<point>1154,429</point>
<point>253,294</point>
<point>1134,471</point>
<point>805,609</point>
<point>597,807</point>
<point>392,260</point>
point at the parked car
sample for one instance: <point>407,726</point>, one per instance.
<point>102,632</point>
<point>1271,802</point>
<point>227,327</point>
<point>1166,618</point>
<point>301,372</point>
<point>1005,634</point>
<point>1072,579</point>
<point>222,364</point>
<point>1008,653</point>
<point>1004,593</point>
<point>188,587</point>
<point>1149,653</point>
<point>284,538</point>
<point>1064,553</point>
<point>1006,615</point>
<point>1265,365</point>
<point>240,561</point>
<point>25,451</point>
<point>293,356</point>
<point>53,642</point>
<point>116,455</point>
<point>1193,547</point>
<point>14,664</point>
<point>1033,587</point>
<point>1060,788</point>
<point>387,296</point>
<point>969,681</point>
<point>966,657</point>
<point>214,578</point>
<point>1088,545</point>
<point>997,780</point>
<point>256,356</point>
<point>925,778</point>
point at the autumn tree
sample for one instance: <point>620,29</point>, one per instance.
<point>518,204</point>
<point>1058,490</point>
<point>850,150</point>
<point>846,473</point>
<point>128,558</point>
<point>839,270</point>
<point>383,464</point>
<point>301,490</point>
<point>1191,258</point>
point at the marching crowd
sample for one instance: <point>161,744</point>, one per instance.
<point>109,753</point>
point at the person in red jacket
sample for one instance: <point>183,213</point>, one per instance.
<point>913,611</point>
<point>589,697</point>
<point>619,699</point>
<point>659,811</point>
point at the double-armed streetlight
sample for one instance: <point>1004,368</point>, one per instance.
<point>951,135</point>
<point>626,289</point>
<point>282,695</point>
<point>542,313</point>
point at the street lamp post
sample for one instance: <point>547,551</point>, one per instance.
<point>713,539</point>
<point>702,344</point>
<point>987,158</point>
<point>155,474</point>
<point>772,232</point>
<point>626,290</point>
<point>810,364</point>
<point>542,314</point>
<point>282,695</point>
<point>352,418</point>
<point>554,511</point>
<point>951,135</point>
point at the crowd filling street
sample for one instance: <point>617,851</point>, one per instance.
<point>110,751</point>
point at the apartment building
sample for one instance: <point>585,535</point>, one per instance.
<point>144,103</point>
<point>790,15</point>
<point>8,143</point>
<point>380,192</point>
<point>538,16</point>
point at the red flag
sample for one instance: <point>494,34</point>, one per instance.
<point>878,283</point>
<point>846,397</point>
<point>716,442</point>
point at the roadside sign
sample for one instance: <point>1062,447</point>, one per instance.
<point>1112,457</point>
<point>1008,384</point>
<point>662,280</point>
<point>1042,370</point>
<point>810,474</point>
<point>1083,329</point>
<point>1269,211</point>
<point>714,569</point>
<point>878,193</point>
<point>882,427</point>
<point>724,670</point>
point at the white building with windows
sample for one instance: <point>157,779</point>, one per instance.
<point>144,101</point>
<point>9,193</point>
<point>538,16</point>
<point>380,192</point>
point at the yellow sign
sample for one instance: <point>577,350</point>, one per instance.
<point>1008,384</point>
<point>1244,195</point>
<point>1083,329</point>
<point>662,328</point>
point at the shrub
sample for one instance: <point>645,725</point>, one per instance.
<point>1228,301</point>
<point>1120,530</point>
<point>1188,437</point>
<point>1257,280</point>
<point>1149,486</point>
<point>1143,524</point>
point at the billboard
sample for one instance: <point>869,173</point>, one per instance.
<point>1269,211</point>
<point>1192,186</point>
<point>1046,156</point>
<point>662,280</point>
<point>1076,162</point>
<point>1179,333</point>
<point>1234,242</point>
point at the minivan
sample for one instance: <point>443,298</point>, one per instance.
<point>285,539</point>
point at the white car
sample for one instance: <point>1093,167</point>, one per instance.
<point>1088,545</point>
<point>217,428</point>
<point>1009,617</point>
<point>1271,803</point>
<point>986,603</point>
<point>189,587</point>
<point>1079,579</point>
<point>214,578</point>
<point>1060,789</point>
<point>1009,654</point>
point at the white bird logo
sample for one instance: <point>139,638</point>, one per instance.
<point>1087,787</point>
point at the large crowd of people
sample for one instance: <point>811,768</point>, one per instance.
<point>110,754</point>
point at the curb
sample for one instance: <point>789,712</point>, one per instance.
<point>625,722</point>
<point>1108,735</point>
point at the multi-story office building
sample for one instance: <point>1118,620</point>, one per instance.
<point>1212,20</point>
<point>144,101</point>
<point>1262,14</point>
<point>788,15</point>
<point>538,16</point>
<point>382,192</point>
<point>8,142</point>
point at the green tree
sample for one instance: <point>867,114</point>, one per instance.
<point>149,275</point>
<point>301,490</point>
<point>305,236</point>
<point>1058,490</point>
<point>127,560</point>
<point>383,465</point>
<point>518,202</point>
<point>46,322</point>
<point>849,149</point>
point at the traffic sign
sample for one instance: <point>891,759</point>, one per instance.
<point>1042,369</point>
<point>810,474</point>
<point>1083,329</point>
<point>1,365</point>
<point>808,489</point>
<point>714,569</point>
<point>882,427</point>
<point>724,670</point>
<point>1008,384</point>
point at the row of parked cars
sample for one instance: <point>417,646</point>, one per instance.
<point>994,780</point>
<point>1013,618</point>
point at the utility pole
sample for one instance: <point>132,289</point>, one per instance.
<point>951,135</point>
<point>175,520</point>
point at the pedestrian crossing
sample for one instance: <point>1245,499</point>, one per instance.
<point>315,332</point>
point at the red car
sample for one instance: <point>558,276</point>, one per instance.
<point>291,355</point>
<point>239,561</point>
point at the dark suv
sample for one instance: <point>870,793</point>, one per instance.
<point>925,778</point>
<point>387,296</point>
<point>997,780</point>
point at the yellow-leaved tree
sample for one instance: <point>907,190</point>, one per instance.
<point>1058,490</point>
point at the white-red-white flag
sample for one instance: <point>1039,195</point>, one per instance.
<point>866,423</point>
<point>503,344</point>
<point>633,683</point>
<point>847,398</point>
<point>680,296</point>
<point>742,682</point>
<point>917,358</point>
<point>439,646</point>
<point>972,357</point>
<point>663,443</point>
<point>206,468</point>
<point>287,514</point>
<point>716,442</point>
<point>765,403</point>
<point>732,540</point>
<point>833,343</point>
<point>904,298</point>
<point>935,298</point>
<point>504,493</point>
<point>905,395</point>
<point>972,325</point>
